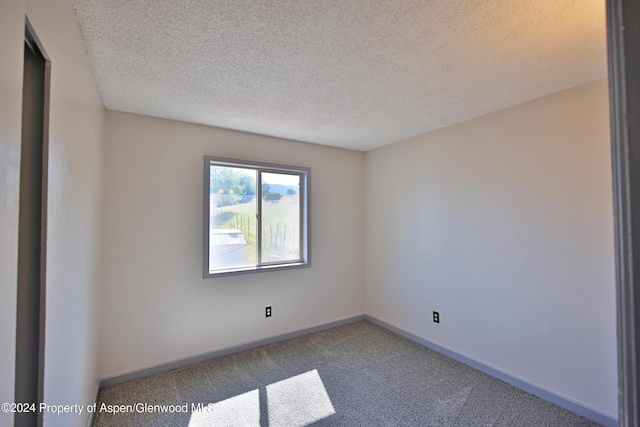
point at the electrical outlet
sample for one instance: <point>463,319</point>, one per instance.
<point>436,317</point>
<point>268,312</point>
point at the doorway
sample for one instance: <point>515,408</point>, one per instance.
<point>30,319</point>
<point>623,34</point>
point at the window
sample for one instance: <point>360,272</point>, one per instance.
<point>256,216</point>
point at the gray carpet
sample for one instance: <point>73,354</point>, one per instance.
<point>354,375</point>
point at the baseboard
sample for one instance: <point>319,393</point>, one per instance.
<point>523,385</point>
<point>180,363</point>
<point>95,400</point>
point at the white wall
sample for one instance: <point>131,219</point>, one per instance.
<point>156,305</point>
<point>75,204</point>
<point>12,53</point>
<point>504,225</point>
<point>74,237</point>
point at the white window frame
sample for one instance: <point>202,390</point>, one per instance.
<point>261,167</point>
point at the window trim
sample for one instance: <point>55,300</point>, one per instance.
<point>305,215</point>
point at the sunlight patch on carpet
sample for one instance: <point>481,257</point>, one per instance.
<point>298,401</point>
<point>242,410</point>
<point>294,402</point>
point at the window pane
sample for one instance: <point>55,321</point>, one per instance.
<point>254,217</point>
<point>232,218</point>
<point>280,217</point>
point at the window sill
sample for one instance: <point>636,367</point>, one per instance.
<point>251,270</point>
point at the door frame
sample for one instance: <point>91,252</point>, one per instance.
<point>31,291</point>
<point>623,38</point>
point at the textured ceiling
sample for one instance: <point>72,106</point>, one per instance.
<point>354,74</point>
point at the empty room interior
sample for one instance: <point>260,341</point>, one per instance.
<point>459,162</point>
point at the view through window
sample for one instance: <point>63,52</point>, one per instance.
<point>255,216</point>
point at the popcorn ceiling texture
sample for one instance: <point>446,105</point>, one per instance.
<point>352,74</point>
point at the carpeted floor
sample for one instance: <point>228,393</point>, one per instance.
<point>354,375</point>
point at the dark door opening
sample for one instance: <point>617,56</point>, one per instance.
<point>32,233</point>
<point>623,34</point>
